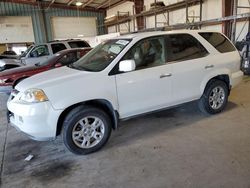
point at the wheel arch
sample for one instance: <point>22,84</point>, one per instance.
<point>18,80</point>
<point>222,75</point>
<point>103,104</point>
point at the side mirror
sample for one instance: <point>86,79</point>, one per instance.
<point>127,65</point>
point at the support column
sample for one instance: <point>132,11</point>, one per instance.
<point>139,4</point>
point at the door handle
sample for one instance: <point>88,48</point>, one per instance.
<point>165,75</point>
<point>209,66</point>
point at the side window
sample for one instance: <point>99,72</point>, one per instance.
<point>68,58</point>
<point>57,47</point>
<point>39,51</point>
<point>181,47</point>
<point>218,41</point>
<point>147,53</point>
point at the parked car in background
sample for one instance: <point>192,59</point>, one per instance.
<point>8,55</point>
<point>41,52</point>
<point>122,78</point>
<point>9,78</point>
<point>9,64</point>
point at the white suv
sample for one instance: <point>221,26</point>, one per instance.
<point>122,78</point>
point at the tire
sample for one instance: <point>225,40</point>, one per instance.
<point>214,98</point>
<point>81,135</point>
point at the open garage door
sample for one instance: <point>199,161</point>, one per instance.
<point>16,29</point>
<point>73,27</point>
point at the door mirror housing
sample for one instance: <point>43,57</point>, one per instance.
<point>127,65</point>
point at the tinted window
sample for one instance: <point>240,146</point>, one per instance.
<point>181,47</point>
<point>78,44</point>
<point>69,58</point>
<point>147,53</point>
<point>26,51</point>
<point>57,47</point>
<point>40,51</point>
<point>221,43</point>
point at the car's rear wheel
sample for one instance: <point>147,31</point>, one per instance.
<point>86,130</point>
<point>214,98</point>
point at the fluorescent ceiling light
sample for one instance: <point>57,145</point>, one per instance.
<point>78,3</point>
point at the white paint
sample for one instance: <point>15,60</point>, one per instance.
<point>16,29</point>
<point>130,93</point>
<point>73,27</point>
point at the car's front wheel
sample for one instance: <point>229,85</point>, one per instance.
<point>214,98</point>
<point>86,130</point>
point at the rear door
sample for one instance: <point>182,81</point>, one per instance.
<point>188,59</point>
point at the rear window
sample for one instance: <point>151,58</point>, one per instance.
<point>78,44</point>
<point>220,42</point>
<point>58,47</point>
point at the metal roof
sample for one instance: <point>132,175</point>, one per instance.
<point>87,4</point>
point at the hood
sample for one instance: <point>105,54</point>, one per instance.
<point>18,70</point>
<point>50,78</point>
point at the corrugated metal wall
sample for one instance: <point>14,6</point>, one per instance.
<point>16,9</point>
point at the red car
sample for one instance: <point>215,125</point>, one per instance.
<point>11,77</point>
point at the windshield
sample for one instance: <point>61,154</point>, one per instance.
<point>26,51</point>
<point>101,56</point>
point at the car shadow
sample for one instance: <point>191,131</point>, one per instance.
<point>156,123</point>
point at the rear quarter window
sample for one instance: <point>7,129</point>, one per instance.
<point>218,41</point>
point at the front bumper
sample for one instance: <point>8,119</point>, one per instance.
<point>37,120</point>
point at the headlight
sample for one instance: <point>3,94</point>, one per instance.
<point>33,96</point>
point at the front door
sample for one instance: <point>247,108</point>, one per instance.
<point>148,87</point>
<point>38,54</point>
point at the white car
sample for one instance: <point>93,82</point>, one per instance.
<point>122,78</point>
